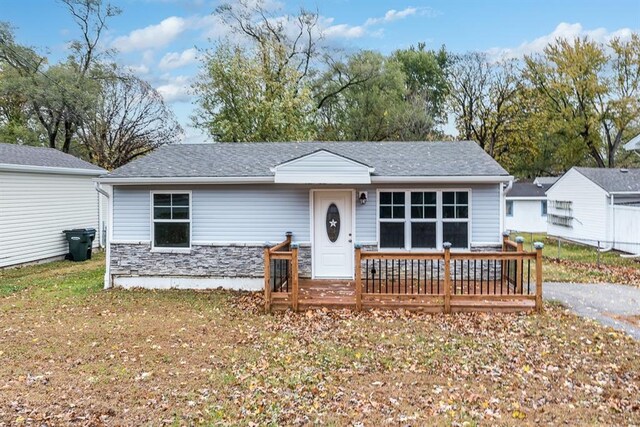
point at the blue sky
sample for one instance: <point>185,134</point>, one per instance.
<point>158,38</point>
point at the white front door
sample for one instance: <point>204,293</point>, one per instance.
<point>333,234</point>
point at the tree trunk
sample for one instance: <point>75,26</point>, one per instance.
<point>68,135</point>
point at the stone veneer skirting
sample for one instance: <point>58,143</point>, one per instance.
<point>202,261</point>
<point>205,261</point>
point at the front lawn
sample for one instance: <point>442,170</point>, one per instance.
<point>578,263</point>
<point>72,353</point>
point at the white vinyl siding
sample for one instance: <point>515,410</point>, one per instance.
<point>589,208</point>
<point>322,167</point>
<point>34,210</point>
<point>226,213</point>
<point>527,216</point>
<point>131,214</point>
<point>250,214</point>
<point>261,213</point>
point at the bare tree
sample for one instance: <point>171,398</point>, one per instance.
<point>130,120</point>
<point>482,98</point>
<point>298,36</point>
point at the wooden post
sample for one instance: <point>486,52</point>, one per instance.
<point>358,275</point>
<point>539,246</point>
<point>294,276</point>
<point>447,277</point>
<point>503,263</point>
<point>519,264</point>
<point>288,235</point>
<point>267,279</point>
<point>505,237</point>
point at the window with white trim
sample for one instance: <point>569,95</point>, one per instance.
<point>392,219</point>
<point>171,220</point>
<point>509,207</point>
<point>423,219</point>
<point>543,208</point>
<point>455,218</point>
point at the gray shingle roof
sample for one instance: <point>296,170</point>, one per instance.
<point>24,155</point>
<point>546,180</point>
<point>614,180</point>
<point>254,159</point>
<point>528,189</point>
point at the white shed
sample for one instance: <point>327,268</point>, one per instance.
<point>43,192</point>
<point>597,206</point>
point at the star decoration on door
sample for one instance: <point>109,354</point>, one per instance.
<point>333,223</point>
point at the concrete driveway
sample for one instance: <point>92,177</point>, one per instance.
<point>599,302</point>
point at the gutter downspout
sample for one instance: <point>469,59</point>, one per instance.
<point>107,243</point>
<point>613,227</point>
<point>503,198</point>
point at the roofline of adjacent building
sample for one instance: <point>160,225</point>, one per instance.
<point>8,167</point>
<point>489,179</point>
<point>526,197</point>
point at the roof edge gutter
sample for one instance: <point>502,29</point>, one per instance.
<point>489,179</point>
<point>7,167</point>
<point>186,180</point>
<point>270,180</point>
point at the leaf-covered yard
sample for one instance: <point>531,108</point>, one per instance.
<point>72,353</point>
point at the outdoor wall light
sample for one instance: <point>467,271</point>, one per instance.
<point>363,197</point>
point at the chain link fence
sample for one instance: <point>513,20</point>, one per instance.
<point>586,251</point>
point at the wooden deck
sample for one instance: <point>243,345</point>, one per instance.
<point>439,282</point>
<point>339,294</point>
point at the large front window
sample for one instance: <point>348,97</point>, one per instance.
<point>423,219</point>
<point>171,220</point>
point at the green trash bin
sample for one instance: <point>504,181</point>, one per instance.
<point>80,241</point>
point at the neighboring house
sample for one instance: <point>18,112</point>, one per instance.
<point>526,205</point>
<point>43,192</point>
<point>633,144</point>
<point>591,205</point>
<point>199,215</point>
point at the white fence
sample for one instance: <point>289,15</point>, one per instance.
<point>626,228</point>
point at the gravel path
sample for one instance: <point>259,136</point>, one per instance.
<point>595,301</point>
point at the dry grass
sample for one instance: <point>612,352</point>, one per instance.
<point>71,353</point>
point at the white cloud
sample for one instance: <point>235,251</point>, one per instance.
<point>342,31</point>
<point>562,31</point>
<point>175,89</point>
<point>153,36</point>
<point>392,15</point>
<point>172,60</point>
<point>139,69</point>
<point>356,31</point>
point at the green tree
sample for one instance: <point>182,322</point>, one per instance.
<point>363,99</point>
<point>59,95</point>
<point>590,96</point>
<point>258,88</point>
<point>240,99</point>
<point>427,87</point>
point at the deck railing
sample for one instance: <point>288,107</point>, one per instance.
<point>281,273</point>
<point>434,281</point>
<point>437,280</point>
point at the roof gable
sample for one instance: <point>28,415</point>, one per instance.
<point>322,167</point>
<point>633,144</point>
